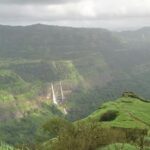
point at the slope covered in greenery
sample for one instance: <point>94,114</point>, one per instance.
<point>121,124</point>
<point>24,125</point>
<point>126,112</point>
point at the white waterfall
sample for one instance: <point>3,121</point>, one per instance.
<point>65,111</point>
<point>53,95</point>
<point>61,91</point>
<point>55,99</point>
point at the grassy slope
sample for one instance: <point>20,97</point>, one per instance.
<point>133,113</point>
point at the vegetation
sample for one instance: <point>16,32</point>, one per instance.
<point>124,121</point>
<point>27,129</point>
<point>109,115</point>
<point>94,66</point>
<point>6,147</point>
<point>104,63</point>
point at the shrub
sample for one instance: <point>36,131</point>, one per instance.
<point>109,115</point>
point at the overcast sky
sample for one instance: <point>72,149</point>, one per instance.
<point>112,14</point>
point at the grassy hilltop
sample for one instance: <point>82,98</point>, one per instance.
<point>125,112</point>
<point>122,124</point>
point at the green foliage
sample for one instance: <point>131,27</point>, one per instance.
<point>27,130</point>
<point>78,137</point>
<point>114,62</point>
<point>90,136</point>
<point>56,125</point>
<point>106,63</point>
<point>11,82</point>
<point>83,102</point>
<point>5,96</point>
<point>6,147</point>
<point>66,71</point>
<point>32,71</point>
<point>119,146</point>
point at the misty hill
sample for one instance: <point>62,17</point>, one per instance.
<point>98,64</point>
<point>93,66</point>
<point>42,41</point>
<point>102,51</point>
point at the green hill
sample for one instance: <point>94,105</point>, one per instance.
<point>126,112</point>
<point>122,124</point>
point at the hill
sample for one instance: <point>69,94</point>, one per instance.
<point>121,124</point>
<point>126,112</point>
<point>93,66</point>
<point>99,55</point>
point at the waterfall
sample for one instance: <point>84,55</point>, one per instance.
<point>55,99</point>
<point>53,95</point>
<point>65,111</point>
<point>61,91</point>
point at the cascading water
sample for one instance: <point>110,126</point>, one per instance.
<point>62,98</point>
<point>61,91</point>
<point>65,111</point>
<point>54,98</point>
<point>53,95</point>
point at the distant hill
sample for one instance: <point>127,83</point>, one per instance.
<point>52,42</point>
<point>101,56</point>
<point>100,60</point>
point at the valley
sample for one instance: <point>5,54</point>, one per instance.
<point>51,71</point>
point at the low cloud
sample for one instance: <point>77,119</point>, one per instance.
<point>22,2</point>
<point>75,12</point>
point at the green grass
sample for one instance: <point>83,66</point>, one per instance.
<point>132,113</point>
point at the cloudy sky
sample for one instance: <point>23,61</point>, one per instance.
<point>112,14</point>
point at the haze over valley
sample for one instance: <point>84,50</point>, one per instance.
<point>74,75</point>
